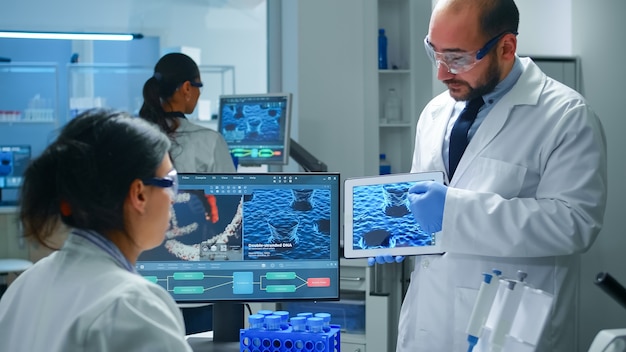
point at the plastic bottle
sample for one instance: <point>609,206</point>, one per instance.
<point>384,167</point>
<point>382,49</point>
<point>393,107</point>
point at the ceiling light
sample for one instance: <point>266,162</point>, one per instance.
<point>70,35</point>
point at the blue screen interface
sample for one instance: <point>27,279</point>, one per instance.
<point>250,237</point>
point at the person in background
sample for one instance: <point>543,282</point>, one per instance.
<point>529,192</point>
<point>108,180</point>
<point>170,94</point>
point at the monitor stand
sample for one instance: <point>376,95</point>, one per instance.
<point>228,319</point>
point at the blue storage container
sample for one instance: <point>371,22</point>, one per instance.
<point>255,340</point>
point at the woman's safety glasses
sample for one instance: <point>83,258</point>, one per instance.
<point>170,182</point>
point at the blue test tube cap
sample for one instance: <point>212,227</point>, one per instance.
<point>305,314</point>
<point>324,316</point>
<point>315,324</point>
<point>256,321</point>
<point>298,323</point>
<point>265,312</point>
<point>283,314</point>
<point>272,322</point>
<point>487,278</point>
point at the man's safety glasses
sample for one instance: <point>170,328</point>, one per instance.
<point>461,62</point>
<point>170,181</point>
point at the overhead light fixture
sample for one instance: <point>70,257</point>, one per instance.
<point>70,35</point>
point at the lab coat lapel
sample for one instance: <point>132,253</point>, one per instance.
<point>525,92</point>
<point>440,118</point>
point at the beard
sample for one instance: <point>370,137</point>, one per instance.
<point>487,83</point>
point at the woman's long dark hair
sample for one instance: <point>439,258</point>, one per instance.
<point>83,177</point>
<point>170,72</point>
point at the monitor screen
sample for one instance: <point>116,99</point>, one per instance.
<point>250,237</point>
<point>13,162</point>
<point>256,127</point>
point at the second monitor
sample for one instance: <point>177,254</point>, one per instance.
<point>256,127</point>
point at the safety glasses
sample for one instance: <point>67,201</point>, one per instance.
<point>170,182</point>
<point>461,61</point>
<point>198,85</point>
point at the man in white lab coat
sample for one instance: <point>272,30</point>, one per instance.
<point>529,192</point>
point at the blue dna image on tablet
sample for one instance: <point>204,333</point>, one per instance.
<point>382,218</point>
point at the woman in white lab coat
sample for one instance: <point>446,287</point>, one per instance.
<point>109,181</point>
<point>529,193</point>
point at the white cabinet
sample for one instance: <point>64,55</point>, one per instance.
<point>405,23</point>
<point>379,288</point>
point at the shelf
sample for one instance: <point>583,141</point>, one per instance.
<point>395,72</point>
<point>395,125</point>
<point>27,121</point>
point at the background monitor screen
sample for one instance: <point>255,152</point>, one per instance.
<point>249,237</point>
<point>256,127</point>
<point>13,162</point>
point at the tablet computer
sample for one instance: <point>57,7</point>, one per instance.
<point>378,219</point>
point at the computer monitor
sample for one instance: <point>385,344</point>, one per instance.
<point>256,127</point>
<point>13,162</point>
<point>250,237</point>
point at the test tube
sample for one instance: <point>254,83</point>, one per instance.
<point>256,321</point>
<point>305,314</point>
<point>326,320</point>
<point>315,324</point>
<point>284,318</point>
<point>298,323</point>
<point>265,312</point>
<point>272,322</point>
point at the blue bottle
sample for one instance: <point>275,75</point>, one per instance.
<point>382,49</point>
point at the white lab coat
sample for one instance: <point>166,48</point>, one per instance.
<point>529,194</point>
<point>80,299</point>
<point>200,149</point>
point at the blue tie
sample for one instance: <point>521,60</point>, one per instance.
<point>458,136</point>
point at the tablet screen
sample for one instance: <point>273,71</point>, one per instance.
<point>378,219</point>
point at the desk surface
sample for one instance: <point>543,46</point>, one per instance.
<point>203,342</point>
<point>14,265</point>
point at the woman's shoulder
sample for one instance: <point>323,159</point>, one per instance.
<point>188,132</point>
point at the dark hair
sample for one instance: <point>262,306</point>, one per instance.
<point>498,16</point>
<point>170,72</point>
<point>83,177</point>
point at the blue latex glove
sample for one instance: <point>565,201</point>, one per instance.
<point>382,259</point>
<point>426,200</point>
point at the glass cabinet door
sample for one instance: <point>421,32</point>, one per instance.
<point>116,86</point>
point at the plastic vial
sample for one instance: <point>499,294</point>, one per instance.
<point>256,321</point>
<point>326,320</point>
<point>315,324</point>
<point>382,49</point>
<point>272,322</point>
<point>298,323</point>
<point>393,107</point>
<point>384,168</point>
<point>305,315</point>
<point>284,318</point>
<point>283,314</point>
